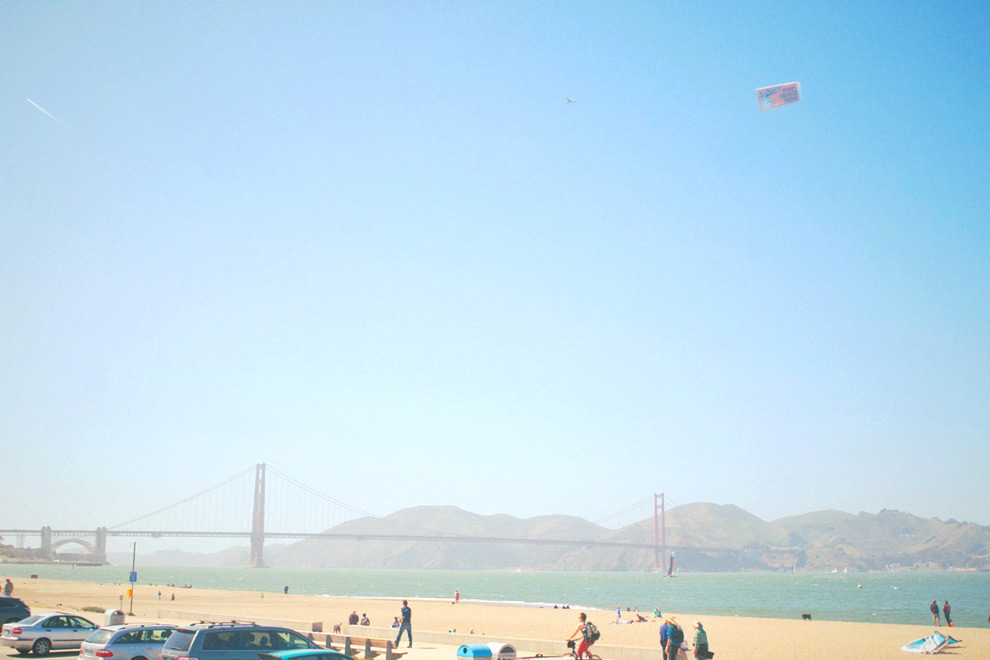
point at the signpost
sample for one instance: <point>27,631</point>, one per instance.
<point>133,579</point>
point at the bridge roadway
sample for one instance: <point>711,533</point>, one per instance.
<point>369,537</point>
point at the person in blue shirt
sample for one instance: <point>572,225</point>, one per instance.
<point>675,637</point>
<point>405,623</point>
<point>664,636</point>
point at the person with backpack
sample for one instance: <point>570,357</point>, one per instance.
<point>675,638</point>
<point>589,635</point>
<point>701,651</point>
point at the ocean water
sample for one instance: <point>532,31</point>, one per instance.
<point>868,597</point>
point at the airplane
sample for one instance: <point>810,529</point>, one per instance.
<point>569,101</point>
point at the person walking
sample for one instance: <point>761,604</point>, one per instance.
<point>945,610</point>
<point>8,587</point>
<point>457,596</point>
<point>675,638</point>
<point>934,608</point>
<point>700,642</point>
<point>664,636</point>
<point>405,623</point>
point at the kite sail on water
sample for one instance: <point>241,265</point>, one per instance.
<point>778,95</point>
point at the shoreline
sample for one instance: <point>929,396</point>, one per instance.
<point>732,637</point>
<point>884,598</point>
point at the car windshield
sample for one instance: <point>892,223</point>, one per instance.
<point>99,637</point>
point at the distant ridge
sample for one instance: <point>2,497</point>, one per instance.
<point>817,541</point>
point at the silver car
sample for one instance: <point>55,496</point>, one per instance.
<point>42,633</point>
<point>126,642</point>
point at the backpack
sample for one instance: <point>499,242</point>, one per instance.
<point>593,633</point>
<point>676,636</point>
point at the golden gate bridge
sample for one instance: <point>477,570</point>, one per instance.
<point>224,498</point>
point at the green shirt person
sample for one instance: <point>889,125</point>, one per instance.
<point>700,642</point>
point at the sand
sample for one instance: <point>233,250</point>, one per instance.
<point>731,638</point>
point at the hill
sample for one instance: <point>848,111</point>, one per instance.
<point>706,537</point>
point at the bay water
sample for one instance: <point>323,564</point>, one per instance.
<point>881,597</point>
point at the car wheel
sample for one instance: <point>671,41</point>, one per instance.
<point>140,657</point>
<point>41,647</point>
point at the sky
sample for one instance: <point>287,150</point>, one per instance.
<point>370,245</point>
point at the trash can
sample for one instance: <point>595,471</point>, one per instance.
<point>474,651</point>
<point>502,651</point>
<point>113,618</point>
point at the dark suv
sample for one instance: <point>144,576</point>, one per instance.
<point>13,609</point>
<point>230,640</point>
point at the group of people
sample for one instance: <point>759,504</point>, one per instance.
<point>671,638</point>
<point>353,619</point>
<point>636,616</point>
<point>945,610</point>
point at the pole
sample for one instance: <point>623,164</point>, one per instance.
<point>130,610</point>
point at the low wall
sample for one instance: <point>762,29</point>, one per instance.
<point>524,647</point>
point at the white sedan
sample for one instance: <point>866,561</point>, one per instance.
<point>42,633</point>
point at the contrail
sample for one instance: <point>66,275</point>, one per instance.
<point>45,111</point>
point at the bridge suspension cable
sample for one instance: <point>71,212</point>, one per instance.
<point>642,504</point>
<point>184,501</point>
<point>324,496</point>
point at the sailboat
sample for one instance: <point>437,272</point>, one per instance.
<point>670,566</point>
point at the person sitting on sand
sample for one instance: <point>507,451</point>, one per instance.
<point>365,621</point>
<point>353,618</point>
<point>395,622</point>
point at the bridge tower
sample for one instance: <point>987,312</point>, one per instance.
<point>46,540</point>
<point>258,519</point>
<point>101,545</point>
<point>659,532</point>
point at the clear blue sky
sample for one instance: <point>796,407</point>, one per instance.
<point>369,244</point>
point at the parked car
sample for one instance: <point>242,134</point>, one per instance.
<point>304,654</point>
<point>132,641</point>
<point>13,609</point>
<point>231,641</point>
<point>42,633</point>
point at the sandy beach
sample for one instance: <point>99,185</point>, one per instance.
<point>527,628</point>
